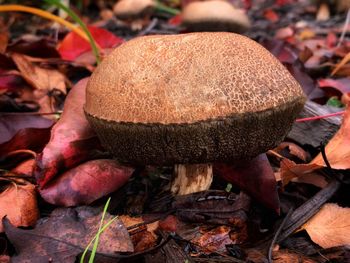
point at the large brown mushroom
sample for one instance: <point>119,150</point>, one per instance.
<point>214,15</point>
<point>190,100</point>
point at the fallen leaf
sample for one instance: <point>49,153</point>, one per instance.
<point>271,15</point>
<point>342,63</point>
<point>34,46</point>
<point>338,148</point>
<point>72,140</point>
<point>73,45</point>
<point>303,173</point>
<point>10,82</point>
<point>213,207</point>
<point>40,78</point>
<point>341,85</point>
<point>255,177</point>
<point>330,227</point>
<point>215,240</point>
<point>293,150</point>
<point>4,38</point>
<point>86,183</point>
<point>13,123</point>
<point>65,234</point>
<point>175,20</point>
<point>18,203</point>
<point>285,256</point>
<point>143,237</point>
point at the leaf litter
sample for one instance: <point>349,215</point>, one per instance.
<point>46,164</point>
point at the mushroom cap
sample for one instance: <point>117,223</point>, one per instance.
<point>214,15</point>
<point>191,98</point>
<point>125,9</point>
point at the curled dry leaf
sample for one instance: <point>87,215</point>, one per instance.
<point>338,148</point>
<point>330,227</point>
<point>18,204</point>
<point>72,140</point>
<point>86,183</point>
<point>23,132</point>
<point>142,237</point>
<point>293,150</point>
<point>302,173</point>
<point>40,78</point>
<point>67,231</point>
<point>215,240</point>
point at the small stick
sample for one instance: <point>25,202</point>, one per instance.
<point>269,256</point>
<point>347,21</point>
<point>304,212</point>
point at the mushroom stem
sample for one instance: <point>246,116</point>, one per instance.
<point>191,178</point>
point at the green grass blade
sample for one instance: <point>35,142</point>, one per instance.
<point>76,18</point>
<point>96,237</point>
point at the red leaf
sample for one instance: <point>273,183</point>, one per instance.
<point>86,183</point>
<point>340,85</point>
<point>271,15</point>
<point>72,139</point>
<point>11,124</point>
<point>256,177</point>
<point>175,20</point>
<point>73,45</point>
<point>10,82</point>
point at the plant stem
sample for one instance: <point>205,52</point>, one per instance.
<point>47,15</point>
<point>77,19</point>
<point>163,8</point>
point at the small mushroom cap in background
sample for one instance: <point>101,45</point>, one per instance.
<point>214,15</point>
<point>191,98</point>
<point>343,5</point>
<point>127,9</point>
<point>336,5</point>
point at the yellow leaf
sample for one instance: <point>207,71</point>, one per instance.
<point>330,227</point>
<point>345,60</point>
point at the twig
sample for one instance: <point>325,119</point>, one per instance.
<point>151,25</point>
<point>269,256</point>
<point>347,21</point>
<point>313,118</point>
<point>304,212</point>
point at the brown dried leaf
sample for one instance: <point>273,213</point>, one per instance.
<point>330,227</point>
<point>143,237</point>
<point>215,240</point>
<point>338,148</point>
<point>65,234</point>
<point>40,78</point>
<point>18,203</point>
<point>285,256</point>
<point>304,173</point>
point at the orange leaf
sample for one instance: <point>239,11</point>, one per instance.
<point>338,148</point>
<point>330,227</point>
<point>345,60</point>
<point>18,203</point>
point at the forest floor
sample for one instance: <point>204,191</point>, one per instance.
<point>290,204</point>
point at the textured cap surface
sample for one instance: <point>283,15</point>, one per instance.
<point>188,78</point>
<point>214,15</point>
<point>192,98</point>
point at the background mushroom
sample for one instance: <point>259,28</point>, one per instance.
<point>191,100</point>
<point>214,15</point>
<point>325,7</point>
<point>131,10</point>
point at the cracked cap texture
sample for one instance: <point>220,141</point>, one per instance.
<point>153,84</point>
